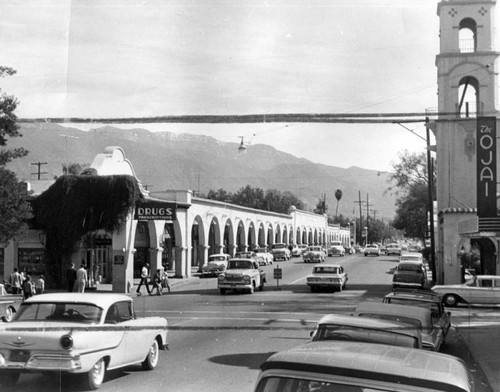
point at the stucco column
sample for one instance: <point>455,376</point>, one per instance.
<point>155,255</point>
<point>123,256</point>
<point>202,256</point>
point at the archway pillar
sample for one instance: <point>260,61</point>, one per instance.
<point>123,256</point>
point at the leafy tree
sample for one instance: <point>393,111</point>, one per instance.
<point>321,206</point>
<point>220,195</point>
<point>250,197</point>
<point>411,181</point>
<point>74,168</point>
<point>338,196</point>
<point>14,208</point>
<point>281,202</point>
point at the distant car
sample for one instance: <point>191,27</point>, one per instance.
<point>8,305</point>
<point>349,250</point>
<point>414,249</point>
<point>245,255</point>
<point>336,249</point>
<point>424,298</point>
<point>413,256</point>
<point>296,251</point>
<point>393,249</point>
<point>265,254</point>
<point>302,248</point>
<point>355,366</point>
<point>410,274</point>
<point>327,276</point>
<point>280,251</point>
<point>358,249</point>
<point>372,250</point>
<point>79,333</point>
<point>417,317</point>
<point>216,264</point>
<point>314,254</point>
<point>481,289</point>
<point>340,327</point>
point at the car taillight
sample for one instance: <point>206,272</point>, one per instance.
<point>66,342</point>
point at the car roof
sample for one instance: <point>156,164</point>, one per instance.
<point>102,300</point>
<point>415,295</point>
<point>400,310</point>
<point>368,323</point>
<point>380,362</point>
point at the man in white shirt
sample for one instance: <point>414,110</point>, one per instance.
<point>81,278</point>
<point>144,279</point>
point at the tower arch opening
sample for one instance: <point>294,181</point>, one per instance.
<point>467,35</point>
<point>468,97</point>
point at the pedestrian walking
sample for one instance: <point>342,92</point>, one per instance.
<point>144,279</point>
<point>81,278</point>
<point>16,282</point>
<point>71,277</point>
<point>40,285</point>
<point>164,279</point>
<point>28,288</point>
<point>157,282</point>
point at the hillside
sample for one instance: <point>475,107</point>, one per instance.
<point>165,160</point>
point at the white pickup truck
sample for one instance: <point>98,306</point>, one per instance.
<point>241,274</point>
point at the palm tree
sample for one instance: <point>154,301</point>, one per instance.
<point>338,196</point>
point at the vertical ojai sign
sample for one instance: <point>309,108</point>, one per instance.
<point>486,168</point>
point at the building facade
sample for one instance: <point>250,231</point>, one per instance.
<point>173,229</point>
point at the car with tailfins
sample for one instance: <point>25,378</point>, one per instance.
<point>216,264</point>
<point>340,327</point>
<point>357,367</point>
<point>85,334</point>
<point>8,305</point>
<point>480,289</point>
<point>415,316</point>
<point>329,276</point>
<point>424,298</point>
<point>314,254</point>
<point>372,250</point>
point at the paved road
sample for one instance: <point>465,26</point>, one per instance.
<point>219,341</point>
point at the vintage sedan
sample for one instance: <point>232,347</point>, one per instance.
<point>327,276</point>
<point>415,316</point>
<point>314,254</point>
<point>355,366</point>
<point>83,334</point>
<point>8,305</point>
<point>336,249</point>
<point>393,249</point>
<point>410,274</point>
<point>340,327</point>
<point>424,298</point>
<point>481,289</point>
<point>216,265</point>
<point>265,254</point>
<point>372,250</point>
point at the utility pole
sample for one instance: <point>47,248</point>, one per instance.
<point>39,173</point>
<point>430,183</point>
<point>367,216</point>
<point>360,217</point>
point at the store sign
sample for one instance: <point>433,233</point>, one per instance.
<point>155,210</point>
<point>486,167</point>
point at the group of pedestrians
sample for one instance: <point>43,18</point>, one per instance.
<point>21,283</point>
<point>159,281</point>
<point>77,279</point>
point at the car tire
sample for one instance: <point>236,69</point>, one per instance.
<point>95,376</point>
<point>153,356</point>
<point>222,291</point>
<point>9,314</point>
<point>450,300</point>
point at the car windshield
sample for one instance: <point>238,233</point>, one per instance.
<point>326,270</point>
<point>64,312</point>
<point>217,258</point>
<point>393,317</point>
<point>239,264</point>
<point>407,267</point>
<point>360,334</point>
<point>433,306</point>
<point>285,384</point>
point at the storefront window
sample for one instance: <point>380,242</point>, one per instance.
<point>31,260</point>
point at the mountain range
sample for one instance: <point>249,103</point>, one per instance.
<point>166,160</point>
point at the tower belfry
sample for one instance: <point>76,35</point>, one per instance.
<point>467,69</point>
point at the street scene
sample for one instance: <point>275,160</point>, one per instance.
<point>261,196</point>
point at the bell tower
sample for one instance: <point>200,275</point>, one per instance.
<point>467,75</point>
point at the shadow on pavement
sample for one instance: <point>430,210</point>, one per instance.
<point>247,360</point>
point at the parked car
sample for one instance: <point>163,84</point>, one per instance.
<point>327,276</point>
<point>265,254</point>
<point>302,248</point>
<point>245,255</point>
<point>314,254</point>
<point>79,333</point>
<point>426,299</point>
<point>372,250</point>
<point>348,249</point>
<point>358,249</point>
<point>241,274</point>
<point>340,327</point>
<point>354,366</point>
<point>411,256</point>
<point>410,274</point>
<point>8,305</point>
<point>417,317</point>
<point>296,251</point>
<point>481,289</point>
<point>216,264</point>
<point>336,249</point>
<point>280,251</point>
<point>393,249</point>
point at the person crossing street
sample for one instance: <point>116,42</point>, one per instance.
<point>144,279</point>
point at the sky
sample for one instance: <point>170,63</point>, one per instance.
<point>131,58</point>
